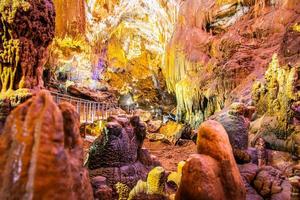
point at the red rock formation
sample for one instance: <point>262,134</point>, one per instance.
<point>213,173</point>
<point>32,30</point>
<point>41,156</point>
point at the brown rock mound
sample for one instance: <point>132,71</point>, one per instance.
<point>213,174</point>
<point>40,153</point>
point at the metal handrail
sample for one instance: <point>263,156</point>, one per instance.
<point>89,111</point>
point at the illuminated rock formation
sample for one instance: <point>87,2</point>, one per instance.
<point>70,17</point>
<point>236,121</point>
<point>118,155</point>
<point>219,48</point>
<point>175,177</point>
<point>41,153</point>
<point>134,34</point>
<point>26,30</point>
<point>213,173</point>
<point>153,188</point>
<point>276,98</point>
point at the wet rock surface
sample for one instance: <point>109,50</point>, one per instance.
<point>41,153</point>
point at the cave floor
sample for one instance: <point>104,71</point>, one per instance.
<point>168,155</point>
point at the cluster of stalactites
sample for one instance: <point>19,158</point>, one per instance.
<point>195,100</point>
<point>187,51</point>
<point>137,25</point>
<point>195,104</point>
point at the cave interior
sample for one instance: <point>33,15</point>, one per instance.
<point>150,99</point>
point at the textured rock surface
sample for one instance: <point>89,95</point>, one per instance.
<point>270,183</point>
<point>101,190</point>
<point>213,173</point>
<point>118,154</point>
<point>277,98</point>
<point>118,146</point>
<point>209,64</point>
<point>236,121</point>
<point>98,96</point>
<point>152,188</point>
<point>236,125</point>
<point>25,38</point>
<point>71,17</point>
<point>41,153</point>
<point>265,183</point>
<point>248,173</point>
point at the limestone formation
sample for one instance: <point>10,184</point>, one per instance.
<point>101,190</point>
<point>26,30</point>
<point>270,183</point>
<point>118,155</point>
<point>213,173</point>
<point>153,188</point>
<point>277,98</point>
<point>41,153</point>
<point>219,48</point>
<point>236,121</point>
<point>265,182</point>
<point>175,177</point>
<point>104,96</point>
<point>70,18</point>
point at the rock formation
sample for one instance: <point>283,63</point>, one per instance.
<point>213,173</point>
<point>236,121</point>
<point>276,99</point>
<point>118,154</point>
<point>70,17</point>
<point>151,189</point>
<point>41,153</point>
<point>220,47</point>
<point>265,183</point>
<point>26,30</point>
<point>135,33</point>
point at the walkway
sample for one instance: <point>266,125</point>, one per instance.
<point>89,111</point>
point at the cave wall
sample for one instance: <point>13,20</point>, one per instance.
<point>219,48</point>
<point>70,17</point>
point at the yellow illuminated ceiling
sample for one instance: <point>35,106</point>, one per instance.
<point>137,24</point>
